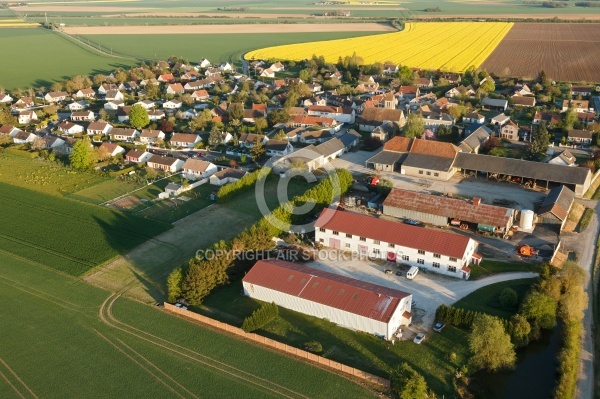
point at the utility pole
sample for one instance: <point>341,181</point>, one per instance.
<point>46,15</point>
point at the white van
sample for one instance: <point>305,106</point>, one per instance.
<point>412,272</point>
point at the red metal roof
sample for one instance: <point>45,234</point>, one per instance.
<point>448,207</point>
<point>430,240</point>
<point>343,293</point>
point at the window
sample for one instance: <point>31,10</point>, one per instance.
<point>421,252</point>
<point>420,172</point>
<point>321,240</point>
<point>420,261</point>
<point>335,233</point>
<point>436,265</point>
<point>437,256</point>
<point>428,173</point>
<point>376,251</point>
<point>405,257</point>
<point>376,242</point>
<point>452,269</point>
<point>391,245</point>
<point>322,230</point>
<point>452,259</point>
<point>348,235</point>
<point>436,174</point>
<point>362,239</point>
<point>347,245</point>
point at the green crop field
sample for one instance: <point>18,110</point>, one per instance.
<point>67,235</point>
<point>104,191</point>
<point>229,47</point>
<point>42,57</point>
<point>60,339</point>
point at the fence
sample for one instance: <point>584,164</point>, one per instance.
<point>281,347</point>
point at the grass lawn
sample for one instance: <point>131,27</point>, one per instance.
<point>574,216</point>
<point>51,327</point>
<point>489,267</point>
<point>586,218</point>
<point>360,350</point>
<point>104,191</point>
<point>485,299</point>
<point>215,47</point>
<point>171,210</point>
<point>67,235</point>
<point>44,176</point>
<point>44,61</point>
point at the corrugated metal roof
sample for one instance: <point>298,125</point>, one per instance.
<point>387,157</point>
<point>428,162</point>
<point>430,240</point>
<point>339,292</point>
<point>558,202</point>
<point>448,207</point>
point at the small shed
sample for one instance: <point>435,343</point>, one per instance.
<point>556,206</point>
<point>173,189</point>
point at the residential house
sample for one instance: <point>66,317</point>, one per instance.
<point>225,67</point>
<point>580,137</point>
<point>225,176</point>
<point>577,105</point>
<point>522,90</point>
<point>522,101</point>
<point>172,104</point>
<point>500,120</point>
<point>474,117</point>
<point>26,117</point>
<point>309,121</point>
<point>22,104</point>
<point>70,128</point>
<point>267,73</point>
<point>278,147</point>
<point>249,140</point>
<point>137,156</point>
<point>112,149</point>
<point>106,87</point>
<point>113,105</point>
<point>82,116</point>
<point>156,114</point>
<point>175,88</point>
<point>423,83</point>
<point>200,95</point>
<point>510,131</point>
<point>77,106</point>
<point>586,118</point>
<point>373,117</point>
<point>420,101</point>
<point>149,136</point>
<point>452,78</point>
<point>52,142</point>
<point>475,140</point>
<point>99,128</point>
<point>331,149</point>
<point>390,69</point>
<point>226,137</point>
<point>308,156</point>
<point>166,164</point>
<point>583,91</point>
<point>56,96</point>
<point>114,95</point>
<point>85,93</point>
<point>184,140</point>
<point>385,131</point>
<point>22,137</point>
<point>350,139</point>
<point>552,120</point>
<point>565,158</point>
<point>433,120</point>
<point>166,78</point>
<point>124,134</point>
<point>494,104</point>
<point>277,67</point>
<point>339,114</point>
<point>408,92</point>
<point>146,104</point>
<point>315,136</point>
<point>204,63</point>
<point>123,113</point>
<point>196,169</point>
<point>8,130</point>
<point>5,98</point>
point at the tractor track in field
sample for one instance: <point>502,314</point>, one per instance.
<point>107,317</point>
<point>28,393</point>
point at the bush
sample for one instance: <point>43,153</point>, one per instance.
<point>313,346</point>
<point>508,298</point>
<point>407,383</point>
<point>261,317</point>
<point>246,183</point>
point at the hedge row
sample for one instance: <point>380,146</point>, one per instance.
<point>456,316</point>
<point>246,183</point>
<point>568,359</point>
<point>260,317</point>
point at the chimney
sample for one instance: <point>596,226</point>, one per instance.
<point>476,201</point>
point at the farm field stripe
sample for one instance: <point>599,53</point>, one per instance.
<point>16,376</point>
<point>10,384</point>
<point>108,318</point>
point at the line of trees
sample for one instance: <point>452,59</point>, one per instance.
<point>229,191</point>
<point>261,317</point>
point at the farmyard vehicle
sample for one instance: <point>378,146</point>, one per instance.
<point>412,272</point>
<point>388,271</point>
<point>412,222</point>
<point>439,326</point>
<point>419,338</point>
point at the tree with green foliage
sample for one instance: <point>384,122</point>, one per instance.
<point>490,345</point>
<point>488,86</point>
<point>539,308</point>
<point>414,126</point>
<point>280,135</point>
<point>215,138</point>
<point>138,117</point>
<point>520,329</point>
<point>174,282</point>
<point>508,298</point>
<point>278,116</point>
<point>201,121</point>
<point>405,75</point>
<point>258,150</point>
<point>569,120</point>
<point>407,383</point>
<point>83,156</point>
<point>236,111</point>
<point>260,124</point>
<point>540,140</point>
<point>260,317</point>
<point>313,346</point>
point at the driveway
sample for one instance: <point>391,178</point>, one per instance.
<point>429,289</point>
<point>488,190</point>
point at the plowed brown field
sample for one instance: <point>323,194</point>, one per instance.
<point>566,52</point>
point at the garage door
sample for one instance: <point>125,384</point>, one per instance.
<point>334,243</point>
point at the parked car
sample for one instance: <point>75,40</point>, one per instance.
<point>419,338</point>
<point>439,326</point>
<point>388,271</point>
<point>412,222</point>
<point>413,304</point>
<point>398,273</point>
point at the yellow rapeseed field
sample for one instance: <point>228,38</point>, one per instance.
<point>448,46</point>
<point>16,23</point>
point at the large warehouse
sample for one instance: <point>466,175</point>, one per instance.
<point>441,211</point>
<point>350,303</point>
<point>431,249</point>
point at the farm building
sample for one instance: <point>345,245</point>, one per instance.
<point>441,211</point>
<point>556,206</point>
<point>432,249</point>
<point>526,172</point>
<point>347,302</point>
<point>228,175</point>
<point>475,140</point>
<point>308,156</point>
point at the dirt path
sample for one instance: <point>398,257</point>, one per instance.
<point>226,29</point>
<point>66,8</point>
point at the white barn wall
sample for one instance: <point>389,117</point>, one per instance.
<point>415,215</point>
<point>352,245</point>
<point>337,316</point>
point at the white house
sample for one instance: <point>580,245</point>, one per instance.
<point>70,128</point>
<point>8,130</point>
<point>27,117</point>
<point>114,95</point>
<point>99,127</point>
<point>123,134</point>
<point>184,140</point>
<point>432,249</point>
<point>175,88</point>
<point>278,147</point>
<point>225,66</point>
<point>77,106</point>
<point>146,104</point>
<point>347,302</point>
<point>136,156</point>
<point>277,67</point>
<point>172,104</point>
<point>22,137</point>
<point>267,73</point>
<point>149,136</point>
<point>82,116</point>
<point>204,63</point>
<point>56,96</point>
<point>225,176</point>
<point>112,149</point>
<point>156,114</point>
<point>113,105</point>
<point>195,169</point>
<point>5,98</point>
<point>167,164</point>
<point>85,93</point>
<point>339,114</point>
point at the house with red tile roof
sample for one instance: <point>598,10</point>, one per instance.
<point>349,303</point>
<point>431,249</point>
